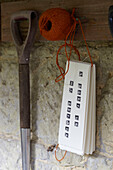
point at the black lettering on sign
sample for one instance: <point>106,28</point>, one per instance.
<point>69,109</point>
<point>67,122</point>
<point>71,83</point>
<point>68,116</point>
<point>69,103</point>
<point>78,105</point>
<point>67,128</point>
<point>78,98</point>
<point>76,124</point>
<point>79,85</point>
<point>79,92</point>
<point>67,135</point>
<point>71,90</point>
<point>80,74</point>
<point>76,117</point>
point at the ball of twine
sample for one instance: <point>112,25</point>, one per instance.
<point>55,23</point>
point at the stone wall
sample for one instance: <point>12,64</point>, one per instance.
<point>46,96</point>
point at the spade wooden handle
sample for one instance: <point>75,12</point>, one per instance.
<point>24,92</point>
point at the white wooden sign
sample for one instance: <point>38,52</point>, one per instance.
<point>78,111</point>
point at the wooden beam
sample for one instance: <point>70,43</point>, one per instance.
<point>0,21</point>
<point>95,12</point>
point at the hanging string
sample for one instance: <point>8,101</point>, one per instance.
<point>70,35</point>
<point>85,42</point>
<point>59,160</point>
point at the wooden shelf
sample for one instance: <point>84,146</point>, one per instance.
<point>93,11</point>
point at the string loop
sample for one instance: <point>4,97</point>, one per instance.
<point>59,160</point>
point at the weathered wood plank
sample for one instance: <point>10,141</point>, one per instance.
<point>93,11</point>
<point>2,1</point>
<point>0,21</point>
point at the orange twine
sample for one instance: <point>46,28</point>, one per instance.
<point>55,23</point>
<point>62,157</point>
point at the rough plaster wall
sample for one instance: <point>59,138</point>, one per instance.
<point>46,96</point>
